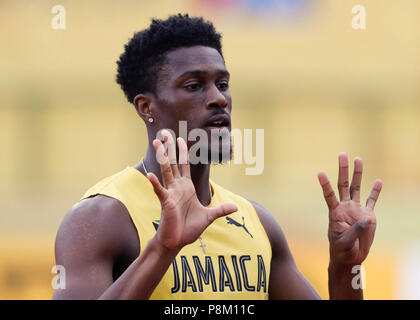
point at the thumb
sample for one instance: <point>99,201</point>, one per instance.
<point>221,211</point>
<point>351,235</point>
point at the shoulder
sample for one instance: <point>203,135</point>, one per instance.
<point>268,221</point>
<point>266,218</point>
<point>286,281</point>
<point>272,228</point>
<point>98,225</point>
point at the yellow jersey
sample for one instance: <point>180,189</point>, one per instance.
<point>231,260</point>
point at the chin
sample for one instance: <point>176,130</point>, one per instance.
<point>222,155</point>
<point>206,153</point>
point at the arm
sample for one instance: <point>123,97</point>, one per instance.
<point>144,274</point>
<point>91,237</point>
<point>286,281</point>
<point>94,234</point>
<point>351,231</point>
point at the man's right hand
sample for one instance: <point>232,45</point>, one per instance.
<point>183,218</point>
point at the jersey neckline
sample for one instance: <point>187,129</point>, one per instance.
<point>145,179</point>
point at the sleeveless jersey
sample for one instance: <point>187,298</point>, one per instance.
<point>231,262</point>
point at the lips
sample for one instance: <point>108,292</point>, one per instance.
<point>218,121</point>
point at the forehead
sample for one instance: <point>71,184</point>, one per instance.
<point>193,58</point>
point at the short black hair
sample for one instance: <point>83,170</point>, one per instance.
<point>144,54</point>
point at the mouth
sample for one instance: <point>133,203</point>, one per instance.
<point>218,122</point>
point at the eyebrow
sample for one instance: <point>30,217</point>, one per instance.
<point>202,73</point>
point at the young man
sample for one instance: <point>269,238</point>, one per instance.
<point>164,230</point>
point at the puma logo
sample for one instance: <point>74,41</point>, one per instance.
<point>235,223</point>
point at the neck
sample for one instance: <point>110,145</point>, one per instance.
<point>200,175</point>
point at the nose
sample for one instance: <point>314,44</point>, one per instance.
<point>215,98</point>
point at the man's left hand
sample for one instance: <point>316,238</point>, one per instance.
<point>352,226</point>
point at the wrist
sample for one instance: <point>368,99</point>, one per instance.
<point>337,267</point>
<point>345,281</point>
<point>160,249</point>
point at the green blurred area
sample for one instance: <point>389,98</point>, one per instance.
<point>315,85</point>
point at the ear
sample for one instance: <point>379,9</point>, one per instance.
<point>142,104</point>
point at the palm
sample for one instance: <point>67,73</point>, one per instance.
<point>183,217</point>
<point>342,219</point>
<point>351,226</point>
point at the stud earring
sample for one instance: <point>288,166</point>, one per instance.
<point>150,120</point>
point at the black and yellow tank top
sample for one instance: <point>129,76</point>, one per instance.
<point>231,262</point>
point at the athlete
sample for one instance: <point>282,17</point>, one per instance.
<point>162,229</point>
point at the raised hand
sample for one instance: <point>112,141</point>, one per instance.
<point>183,218</point>
<point>352,226</point>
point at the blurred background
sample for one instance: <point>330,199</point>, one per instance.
<point>298,70</point>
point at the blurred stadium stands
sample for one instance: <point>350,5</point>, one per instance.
<point>316,86</point>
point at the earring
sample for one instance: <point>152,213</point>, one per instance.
<point>150,120</point>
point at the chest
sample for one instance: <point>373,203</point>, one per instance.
<point>231,260</point>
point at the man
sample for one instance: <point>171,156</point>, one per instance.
<point>164,230</point>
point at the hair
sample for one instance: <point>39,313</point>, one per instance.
<point>144,54</point>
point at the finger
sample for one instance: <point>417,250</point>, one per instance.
<point>374,194</point>
<point>356,180</point>
<point>184,159</point>
<point>221,211</point>
<point>169,140</point>
<point>160,191</point>
<point>329,194</point>
<point>343,177</point>
<point>165,168</point>
<point>355,231</point>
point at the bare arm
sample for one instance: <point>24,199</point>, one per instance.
<point>92,236</point>
<point>351,231</point>
<point>286,281</point>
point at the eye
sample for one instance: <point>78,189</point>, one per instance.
<point>223,85</point>
<point>193,86</point>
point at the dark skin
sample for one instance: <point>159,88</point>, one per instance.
<point>99,246</point>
